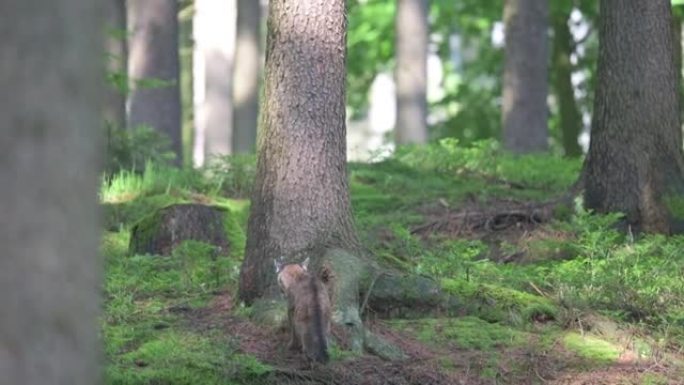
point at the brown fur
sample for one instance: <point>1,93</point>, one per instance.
<point>308,310</point>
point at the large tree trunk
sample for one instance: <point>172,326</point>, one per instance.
<point>52,88</point>
<point>300,200</point>
<point>214,32</point>
<point>153,66</point>
<point>115,106</point>
<point>570,117</point>
<point>248,67</point>
<point>635,161</point>
<point>525,87</point>
<point>411,71</point>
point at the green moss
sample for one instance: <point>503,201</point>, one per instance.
<point>653,379</point>
<point>466,332</point>
<point>174,357</point>
<point>121,215</point>
<point>591,348</point>
<point>235,224</point>
<point>500,304</point>
<point>115,244</point>
<point>675,205</point>
<point>202,269</point>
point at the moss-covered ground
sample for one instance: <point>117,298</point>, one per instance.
<point>564,299</point>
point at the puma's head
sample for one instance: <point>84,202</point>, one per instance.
<point>290,273</point>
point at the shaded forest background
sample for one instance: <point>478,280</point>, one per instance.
<point>463,48</point>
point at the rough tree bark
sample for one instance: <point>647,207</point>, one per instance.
<point>248,65</point>
<point>677,48</point>
<point>300,200</point>
<point>153,55</point>
<point>411,71</point>
<point>525,86</point>
<point>214,33</point>
<point>51,74</point>
<point>635,163</point>
<point>570,117</point>
<point>115,105</point>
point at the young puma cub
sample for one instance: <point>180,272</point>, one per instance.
<point>308,309</point>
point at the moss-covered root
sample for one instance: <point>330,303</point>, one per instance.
<point>344,273</point>
<point>407,296</point>
<point>348,276</point>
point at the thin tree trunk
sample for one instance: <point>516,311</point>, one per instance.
<point>115,105</point>
<point>153,59</point>
<point>52,90</point>
<point>411,71</point>
<point>677,41</point>
<point>635,163</point>
<point>570,117</point>
<point>185,55</point>
<point>300,200</point>
<point>248,67</point>
<point>525,87</point>
<point>214,31</point>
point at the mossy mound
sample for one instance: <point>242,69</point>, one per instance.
<point>162,231</point>
<point>500,304</point>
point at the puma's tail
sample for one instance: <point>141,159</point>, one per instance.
<point>317,343</point>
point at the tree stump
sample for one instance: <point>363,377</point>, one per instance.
<point>161,232</point>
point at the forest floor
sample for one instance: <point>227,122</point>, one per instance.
<point>547,295</point>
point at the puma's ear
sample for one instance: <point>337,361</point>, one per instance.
<point>278,263</point>
<point>305,263</point>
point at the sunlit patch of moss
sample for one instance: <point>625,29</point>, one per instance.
<point>155,179</point>
<point>466,332</point>
<point>500,304</point>
<point>591,348</point>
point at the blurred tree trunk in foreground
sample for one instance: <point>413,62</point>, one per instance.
<point>214,32</point>
<point>52,88</point>
<point>246,76</point>
<point>570,117</point>
<point>635,163</point>
<point>153,67</point>
<point>525,87</point>
<point>412,31</point>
